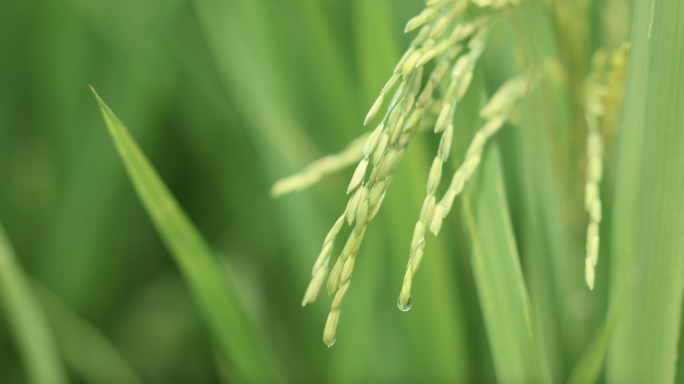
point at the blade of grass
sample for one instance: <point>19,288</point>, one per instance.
<point>325,65</point>
<point>538,157</point>
<point>590,364</point>
<point>241,40</point>
<point>216,300</point>
<point>547,153</point>
<point>72,255</point>
<point>513,338</point>
<point>27,320</point>
<point>648,224</point>
<point>87,351</point>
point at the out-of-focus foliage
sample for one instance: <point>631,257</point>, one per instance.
<point>227,96</point>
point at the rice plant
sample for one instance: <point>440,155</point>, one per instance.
<point>537,141</point>
<point>412,102</point>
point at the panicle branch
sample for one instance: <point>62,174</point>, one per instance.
<point>313,172</point>
<point>496,111</point>
<point>455,45</point>
<point>600,82</point>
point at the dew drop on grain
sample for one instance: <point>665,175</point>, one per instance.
<point>405,308</point>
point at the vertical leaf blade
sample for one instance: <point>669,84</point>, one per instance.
<point>513,338</point>
<point>217,302</point>
<point>86,351</point>
<point>27,320</point>
<point>648,220</point>
<point>590,364</point>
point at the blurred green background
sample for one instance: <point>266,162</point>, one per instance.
<point>226,97</point>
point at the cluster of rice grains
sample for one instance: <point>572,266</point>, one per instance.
<point>495,114</point>
<point>604,86</point>
<point>455,45</point>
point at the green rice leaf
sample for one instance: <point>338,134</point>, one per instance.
<point>514,339</point>
<point>214,295</point>
<point>27,321</point>
<point>542,172</point>
<point>648,221</point>
<point>87,351</point>
<point>590,364</point>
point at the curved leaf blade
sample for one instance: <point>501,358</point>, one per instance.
<point>215,298</point>
<point>27,320</point>
<point>85,349</point>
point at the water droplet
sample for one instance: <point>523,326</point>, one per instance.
<point>406,307</point>
<point>331,343</point>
